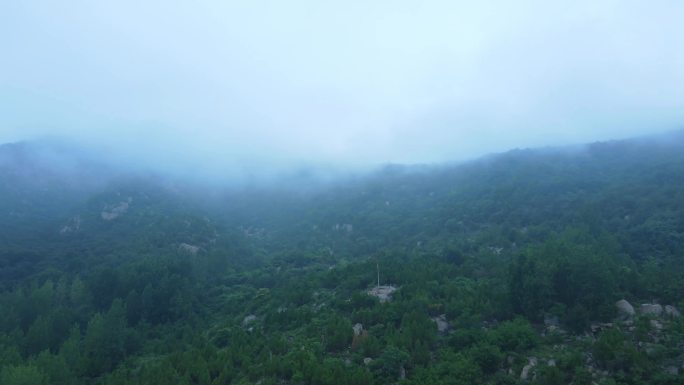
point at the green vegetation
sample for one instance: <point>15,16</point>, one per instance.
<point>507,271</point>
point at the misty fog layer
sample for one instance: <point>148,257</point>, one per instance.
<point>260,86</point>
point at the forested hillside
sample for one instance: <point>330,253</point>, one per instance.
<point>547,266</point>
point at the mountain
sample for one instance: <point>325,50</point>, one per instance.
<point>491,269</point>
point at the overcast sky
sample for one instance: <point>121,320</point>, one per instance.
<point>337,82</point>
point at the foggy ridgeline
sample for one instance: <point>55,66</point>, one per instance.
<point>503,270</point>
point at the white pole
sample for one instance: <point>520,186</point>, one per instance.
<point>378,266</point>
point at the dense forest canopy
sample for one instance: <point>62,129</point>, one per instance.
<point>545,266</point>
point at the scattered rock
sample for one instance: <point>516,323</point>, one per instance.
<point>442,324</point>
<point>383,293</point>
<point>249,319</point>
<point>625,309</point>
<point>531,363</point>
<point>250,232</point>
<point>367,360</point>
<point>72,226</point>
<point>596,327</point>
<point>343,227</point>
<point>495,250</point>
<point>551,362</point>
<point>671,311</point>
<point>358,328</point>
<point>402,373</point>
<point>651,309</point>
<point>188,248</point>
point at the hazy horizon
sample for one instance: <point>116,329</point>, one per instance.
<point>262,87</point>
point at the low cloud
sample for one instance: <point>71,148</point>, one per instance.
<point>267,85</point>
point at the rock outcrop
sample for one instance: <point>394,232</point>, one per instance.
<point>110,212</point>
<point>442,324</point>
<point>383,293</point>
<point>626,311</point>
<point>188,248</point>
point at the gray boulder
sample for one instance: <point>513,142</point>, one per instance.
<point>651,309</point>
<point>442,324</point>
<point>671,311</point>
<point>358,328</point>
<point>531,363</point>
<point>625,309</point>
<point>249,319</point>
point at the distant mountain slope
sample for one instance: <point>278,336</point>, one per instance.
<point>60,204</point>
<point>623,187</point>
<point>61,207</point>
